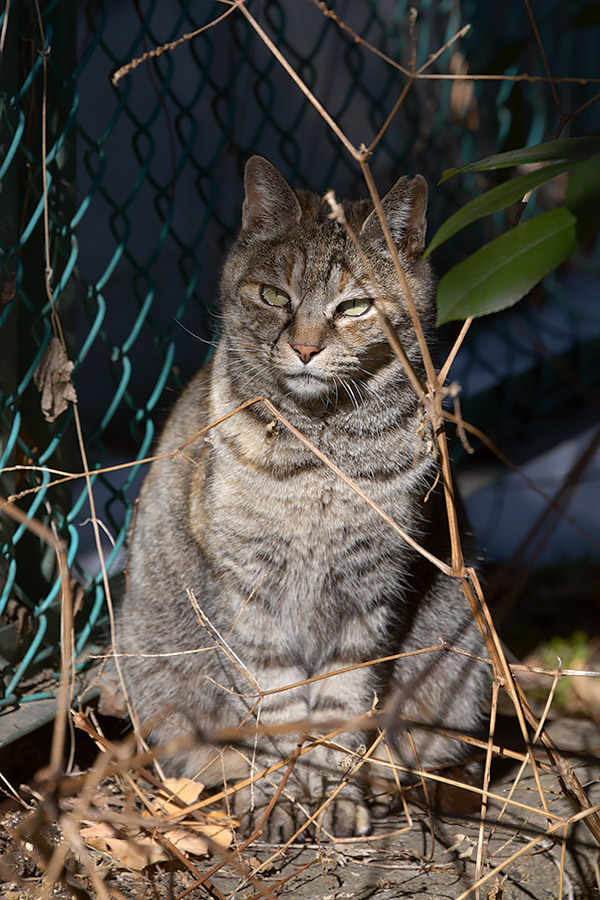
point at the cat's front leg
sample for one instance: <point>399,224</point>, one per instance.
<point>318,776</point>
<point>275,709</point>
<point>331,773</point>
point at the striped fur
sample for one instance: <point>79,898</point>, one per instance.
<point>296,575</point>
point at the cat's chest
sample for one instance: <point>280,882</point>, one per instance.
<point>302,536</point>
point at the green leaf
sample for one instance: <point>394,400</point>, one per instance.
<point>583,192</point>
<point>506,269</point>
<point>567,148</point>
<point>493,200</point>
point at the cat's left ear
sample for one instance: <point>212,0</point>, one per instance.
<point>270,206</point>
<point>404,207</point>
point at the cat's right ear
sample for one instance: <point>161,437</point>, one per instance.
<point>270,205</point>
<point>405,208</point>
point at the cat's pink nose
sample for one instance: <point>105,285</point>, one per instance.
<point>306,351</point>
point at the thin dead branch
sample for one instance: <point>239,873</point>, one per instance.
<point>171,45</point>
<point>118,761</point>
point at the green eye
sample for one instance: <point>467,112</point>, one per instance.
<point>354,307</point>
<point>274,296</point>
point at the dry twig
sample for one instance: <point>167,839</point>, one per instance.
<point>430,394</point>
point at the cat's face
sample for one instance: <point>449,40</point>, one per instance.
<point>298,301</point>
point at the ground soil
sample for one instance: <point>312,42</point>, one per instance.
<point>433,857</point>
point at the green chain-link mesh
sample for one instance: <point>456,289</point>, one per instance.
<point>144,191</point>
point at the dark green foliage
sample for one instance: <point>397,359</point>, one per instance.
<point>505,269</point>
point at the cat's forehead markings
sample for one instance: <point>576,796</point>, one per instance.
<point>344,279</point>
<point>320,254</point>
<point>289,268</point>
<point>295,265</point>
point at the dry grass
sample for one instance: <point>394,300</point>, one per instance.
<point>121,818</point>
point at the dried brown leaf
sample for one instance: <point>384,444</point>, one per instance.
<point>186,790</point>
<point>217,827</point>
<point>135,852</point>
<point>52,378</point>
<point>220,834</point>
<point>188,842</point>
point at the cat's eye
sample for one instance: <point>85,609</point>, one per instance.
<point>354,307</point>
<point>274,296</point>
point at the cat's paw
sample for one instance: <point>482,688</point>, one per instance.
<point>344,817</point>
<point>285,819</point>
<point>341,818</point>
<point>279,827</point>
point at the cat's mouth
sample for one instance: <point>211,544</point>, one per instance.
<point>306,385</point>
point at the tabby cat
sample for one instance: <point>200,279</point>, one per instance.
<point>252,563</point>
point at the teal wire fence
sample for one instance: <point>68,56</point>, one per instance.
<point>144,194</point>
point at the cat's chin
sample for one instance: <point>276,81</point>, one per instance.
<point>305,388</point>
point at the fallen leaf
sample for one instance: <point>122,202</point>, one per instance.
<point>97,831</point>
<point>187,842</point>
<point>52,378</point>
<point>135,852</point>
<point>139,850</point>
<point>217,827</point>
<point>186,790</point>
<point>221,835</point>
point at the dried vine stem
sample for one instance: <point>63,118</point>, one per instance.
<point>527,848</point>
<point>163,48</point>
<point>434,407</point>
<point>418,74</point>
<point>4,26</point>
<point>476,600</point>
<point>431,395</point>
<point>535,738</point>
<point>66,605</point>
<point>56,861</point>
<point>486,777</point>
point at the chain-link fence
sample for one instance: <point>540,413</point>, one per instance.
<point>144,193</point>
